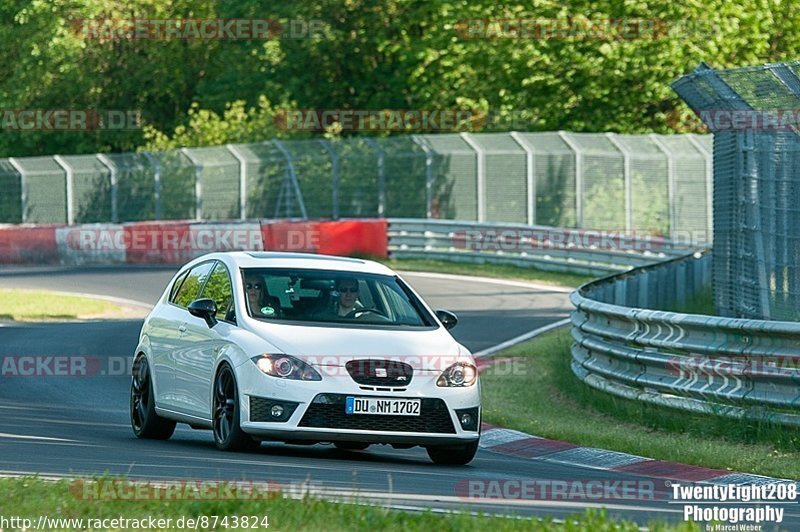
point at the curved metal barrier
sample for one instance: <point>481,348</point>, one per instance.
<point>579,251</point>
<point>738,368</point>
<point>730,367</point>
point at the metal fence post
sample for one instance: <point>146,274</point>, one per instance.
<point>293,178</point>
<point>626,174</point>
<point>672,208</point>
<point>709,185</point>
<point>334,177</point>
<point>156,182</point>
<point>198,185</point>
<point>23,189</point>
<point>239,156</point>
<point>530,167</point>
<point>578,177</point>
<point>481,174</point>
<point>70,176</point>
<point>419,141</point>
<point>113,179</point>
<point>381,176</point>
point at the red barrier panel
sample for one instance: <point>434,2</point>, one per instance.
<point>177,242</point>
<point>22,244</point>
<point>354,237</point>
<point>291,236</point>
<point>158,243</point>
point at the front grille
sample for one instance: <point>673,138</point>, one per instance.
<point>327,411</point>
<point>380,372</point>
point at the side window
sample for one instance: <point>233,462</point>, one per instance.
<point>191,286</point>
<point>400,306</point>
<point>176,286</point>
<point>219,289</point>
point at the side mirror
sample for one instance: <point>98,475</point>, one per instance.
<point>206,309</point>
<point>448,319</point>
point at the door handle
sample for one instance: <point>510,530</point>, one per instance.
<point>182,329</point>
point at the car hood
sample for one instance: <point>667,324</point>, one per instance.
<point>334,346</point>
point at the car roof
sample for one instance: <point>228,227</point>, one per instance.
<point>311,261</point>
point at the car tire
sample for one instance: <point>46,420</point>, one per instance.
<point>460,455</point>
<point>226,414</point>
<point>144,420</point>
<point>351,445</point>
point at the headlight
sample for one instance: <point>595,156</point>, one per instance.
<point>460,374</point>
<point>286,367</point>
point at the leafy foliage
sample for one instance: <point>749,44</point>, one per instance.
<point>370,54</point>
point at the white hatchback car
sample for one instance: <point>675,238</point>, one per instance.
<point>304,348</point>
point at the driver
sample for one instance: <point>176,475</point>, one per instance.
<point>348,296</point>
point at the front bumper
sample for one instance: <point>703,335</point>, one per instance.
<point>319,415</point>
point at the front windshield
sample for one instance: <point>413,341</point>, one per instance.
<point>334,297</point>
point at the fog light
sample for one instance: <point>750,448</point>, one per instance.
<point>276,411</point>
<point>469,418</point>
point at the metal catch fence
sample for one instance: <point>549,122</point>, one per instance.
<point>753,115</point>
<point>654,183</point>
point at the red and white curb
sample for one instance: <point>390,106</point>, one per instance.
<point>521,445</point>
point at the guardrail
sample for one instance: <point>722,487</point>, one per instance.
<point>579,251</point>
<point>737,368</point>
<point>723,366</point>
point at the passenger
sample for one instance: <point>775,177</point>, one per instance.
<point>262,305</point>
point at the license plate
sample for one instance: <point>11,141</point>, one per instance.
<point>382,407</point>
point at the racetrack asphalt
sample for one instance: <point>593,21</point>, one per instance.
<point>79,425</point>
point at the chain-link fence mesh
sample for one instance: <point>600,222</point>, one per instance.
<point>753,115</point>
<point>653,183</point>
<point>45,185</point>
<point>265,171</point>
<point>91,186</point>
<point>554,179</point>
<point>313,179</point>
<point>11,199</point>
<point>506,178</point>
<point>218,177</point>
<point>603,187</point>
<point>455,165</point>
<point>647,176</point>
<point>138,182</point>
<point>405,177</point>
<point>178,176</point>
<point>361,171</point>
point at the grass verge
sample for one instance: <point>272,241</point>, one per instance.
<point>34,305</point>
<point>31,498</point>
<point>540,395</point>
<point>500,271</point>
